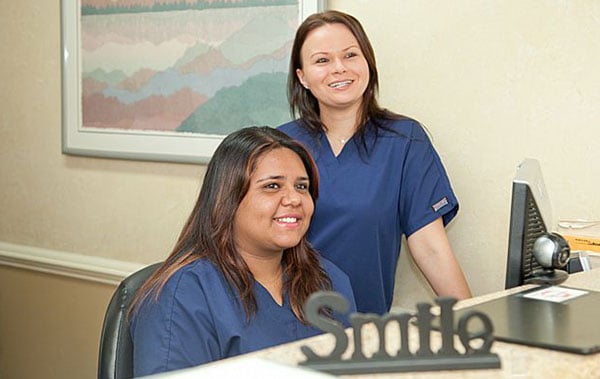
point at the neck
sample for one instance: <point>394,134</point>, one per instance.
<point>341,123</point>
<point>268,271</point>
<point>339,127</point>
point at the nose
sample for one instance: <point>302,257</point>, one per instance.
<point>291,198</point>
<point>339,66</point>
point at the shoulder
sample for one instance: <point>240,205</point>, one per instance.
<point>185,289</point>
<point>179,329</point>
<point>294,129</point>
<point>198,276</point>
<point>303,135</point>
<point>404,127</point>
<point>193,289</point>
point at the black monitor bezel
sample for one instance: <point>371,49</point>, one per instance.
<point>529,219</point>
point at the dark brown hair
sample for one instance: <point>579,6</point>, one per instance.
<point>302,102</point>
<point>208,232</point>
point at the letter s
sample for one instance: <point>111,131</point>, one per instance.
<point>312,311</point>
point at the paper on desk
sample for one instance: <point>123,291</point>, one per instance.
<point>582,239</point>
<point>555,294</point>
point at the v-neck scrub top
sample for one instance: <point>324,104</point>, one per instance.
<point>198,318</point>
<point>368,200</point>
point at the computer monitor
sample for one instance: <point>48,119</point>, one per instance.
<point>530,218</point>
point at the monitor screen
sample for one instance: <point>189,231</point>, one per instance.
<point>530,217</point>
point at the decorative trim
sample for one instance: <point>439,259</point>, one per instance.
<point>90,268</point>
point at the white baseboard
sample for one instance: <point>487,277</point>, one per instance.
<point>95,269</point>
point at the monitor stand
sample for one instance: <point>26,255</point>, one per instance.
<point>547,276</point>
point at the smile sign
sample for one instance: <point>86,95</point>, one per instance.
<point>475,352</point>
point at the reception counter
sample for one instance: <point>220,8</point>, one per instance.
<point>517,361</point>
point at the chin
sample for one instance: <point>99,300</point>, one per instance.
<point>289,244</point>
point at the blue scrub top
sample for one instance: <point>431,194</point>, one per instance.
<point>367,201</point>
<point>198,319</point>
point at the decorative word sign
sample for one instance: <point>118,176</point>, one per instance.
<point>447,357</point>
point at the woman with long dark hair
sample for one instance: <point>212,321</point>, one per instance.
<point>381,177</point>
<point>242,269</point>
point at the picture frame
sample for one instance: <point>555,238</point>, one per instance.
<point>120,137</point>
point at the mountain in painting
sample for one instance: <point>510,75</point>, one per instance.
<point>231,108</point>
<point>195,71</point>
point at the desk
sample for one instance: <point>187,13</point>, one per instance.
<point>518,361</point>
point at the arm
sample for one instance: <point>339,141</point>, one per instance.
<point>430,248</point>
<point>174,332</point>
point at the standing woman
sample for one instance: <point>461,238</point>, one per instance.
<point>380,176</point>
<point>242,269</point>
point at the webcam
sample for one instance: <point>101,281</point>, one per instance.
<point>552,252</point>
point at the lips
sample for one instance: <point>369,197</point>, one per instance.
<point>287,220</point>
<point>341,84</point>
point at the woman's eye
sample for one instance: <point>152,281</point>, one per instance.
<point>302,186</point>
<point>272,186</point>
<point>321,60</point>
<point>351,54</point>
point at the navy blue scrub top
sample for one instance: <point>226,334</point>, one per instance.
<point>367,201</point>
<point>198,319</point>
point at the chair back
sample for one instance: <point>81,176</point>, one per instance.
<point>115,360</point>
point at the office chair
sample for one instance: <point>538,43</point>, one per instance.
<point>115,360</point>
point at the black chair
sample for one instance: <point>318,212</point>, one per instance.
<point>115,360</point>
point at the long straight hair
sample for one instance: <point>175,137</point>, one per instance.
<point>304,104</point>
<point>209,232</point>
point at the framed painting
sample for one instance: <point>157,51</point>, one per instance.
<point>167,80</point>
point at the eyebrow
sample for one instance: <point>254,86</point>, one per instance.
<point>327,53</point>
<point>279,177</point>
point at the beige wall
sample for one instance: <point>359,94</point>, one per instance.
<point>117,209</point>
<point>493,81</point>
<point>49,325</point>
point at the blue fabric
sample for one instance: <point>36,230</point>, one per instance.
<point>367,201</point>
<point>197,319</point>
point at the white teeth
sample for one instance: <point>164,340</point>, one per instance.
<point>340,84</point>
<point>288,219</point>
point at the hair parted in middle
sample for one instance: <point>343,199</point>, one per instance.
<point>209,230</point>
<point>302,102</point>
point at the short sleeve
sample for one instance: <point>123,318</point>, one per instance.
<point>425,193</point>
<point>175,331</point>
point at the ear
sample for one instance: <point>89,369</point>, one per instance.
<point>300,75</point>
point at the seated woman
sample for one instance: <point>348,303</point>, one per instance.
<point>242,269</point>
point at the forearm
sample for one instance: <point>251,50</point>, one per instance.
<point>444,274</point>
<point>433,255</point>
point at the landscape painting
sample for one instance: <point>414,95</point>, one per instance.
<point>177,72</point>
